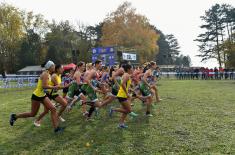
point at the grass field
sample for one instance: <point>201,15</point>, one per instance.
<point>195,117</point>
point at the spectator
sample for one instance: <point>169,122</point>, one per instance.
<point>216,72</point>
<point>226,74</point>
<point>221,72</point>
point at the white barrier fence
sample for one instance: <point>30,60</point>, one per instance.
<point>20,81</point>
<point>16,81</point>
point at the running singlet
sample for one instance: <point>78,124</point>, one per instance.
<point>67,80</point>
<point>150,79</point>
<point>115,86</point>
<point>59,81</point>
<point>39,91</point>
<point>145,90</point>
<point>121,92</point>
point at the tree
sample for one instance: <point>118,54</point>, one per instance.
<point>229,49</point>
<point>186,61</point>
<point>11,33</point>
<point>60,42</point>
<point>90,37</point>
<point>182,60</point>
<point>163,56</point>
<point>173,45</point>
<point>168,50</point>
<point>98,30</point>
<point>35,27</point>
<point>218,20</point>
<point>124,27</point>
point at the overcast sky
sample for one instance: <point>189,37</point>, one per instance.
<point>178,17</point>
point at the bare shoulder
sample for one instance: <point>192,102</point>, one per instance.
<point>77,73</point>
<point>44,75</point>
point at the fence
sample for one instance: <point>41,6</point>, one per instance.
<point>21,81</point>
<point>18,81</point>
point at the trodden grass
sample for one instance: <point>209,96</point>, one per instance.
<point>195,117</point>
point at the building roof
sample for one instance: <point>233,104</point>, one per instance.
<point>167,66</point>
<point>31,68</point>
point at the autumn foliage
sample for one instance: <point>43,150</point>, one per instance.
<point>124,27</point>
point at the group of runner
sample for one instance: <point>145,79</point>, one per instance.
<point>83,83</point>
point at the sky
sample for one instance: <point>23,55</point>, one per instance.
<point>178,17</point>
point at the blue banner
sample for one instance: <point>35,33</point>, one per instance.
<point>106,54</point>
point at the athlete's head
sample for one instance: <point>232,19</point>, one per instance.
<point>49,65</point>
<point>115,68</point>
<point>128,68</point>
<point>153,65</point>
<point>81,66</point>
<point>157,68</point>
<point>59,69</point>
<point>124,62</point>
<point>88,66</point>
<point>98,64</point>
<point>140,68</point>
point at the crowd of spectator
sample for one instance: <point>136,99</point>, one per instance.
<point>205,73</point>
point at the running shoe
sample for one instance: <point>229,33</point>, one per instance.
<point>61,119</point>
<point>133,114</point>
<point>36,123</point>
<point>159,100</point>
<point>12,119</point>
<point>85,113</point>
<point>111,112</point>
<point>149,115</point>
<point>59,129</point>
<point>122,126</point>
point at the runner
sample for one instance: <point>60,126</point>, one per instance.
<point>39,96</point>
<point>78,91</point>
<point>124,96</point>
<point>145,86</point>
<point>53,95</point>
<point>67,79</point>
<point>153,82</point>
<point>89,89</point>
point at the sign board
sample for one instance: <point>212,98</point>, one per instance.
<point>103,50</point>
<point>106,54</point>
<point>128,56</point>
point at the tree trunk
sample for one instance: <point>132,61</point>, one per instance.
<point>224,53</point>
<point>231,32</point>
<point>217,46</point>
<point>229,36</point>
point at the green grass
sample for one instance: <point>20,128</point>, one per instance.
<point>195,117</point>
